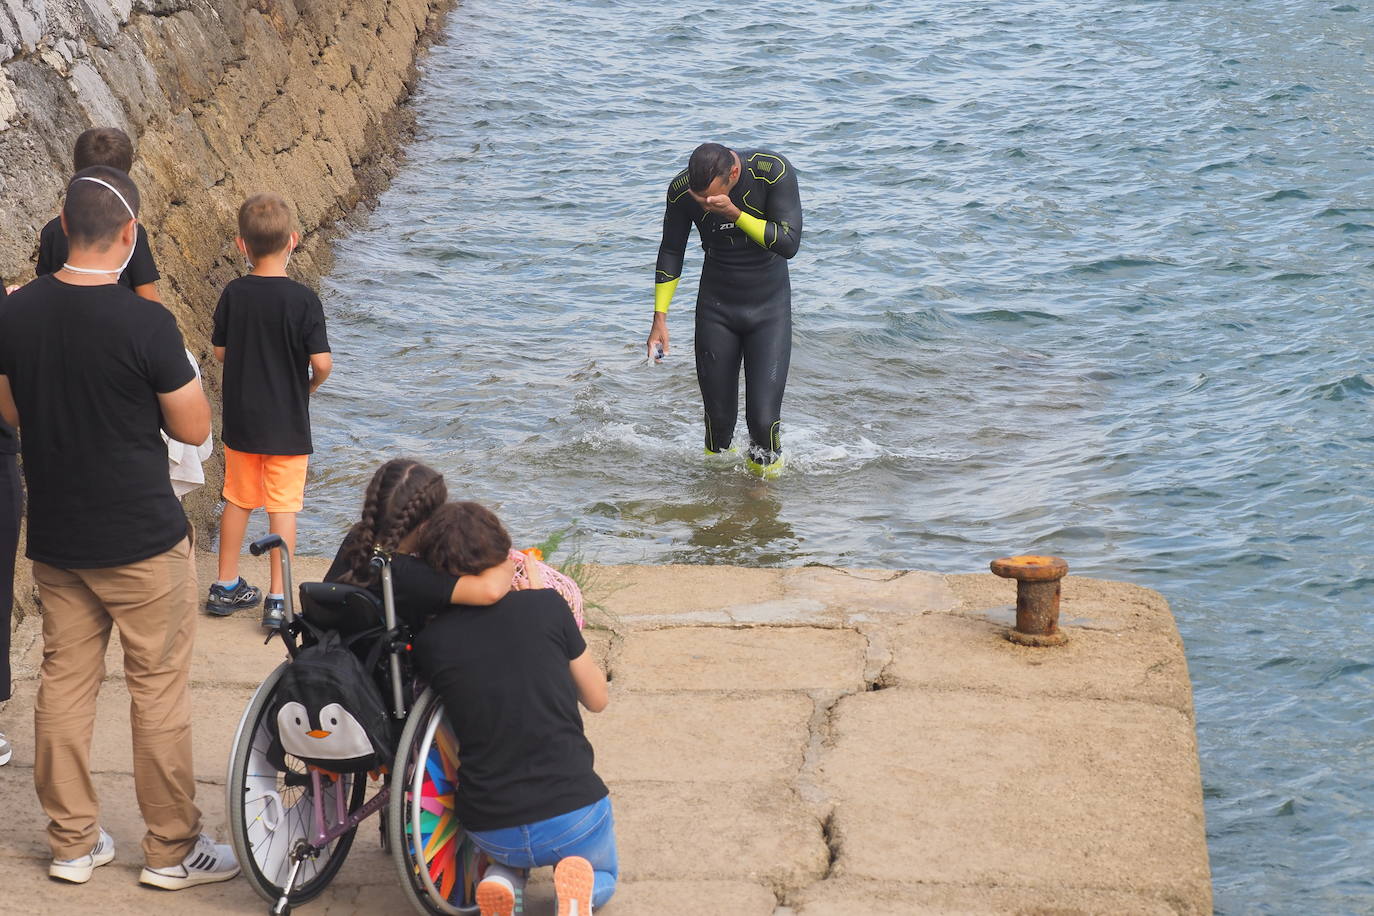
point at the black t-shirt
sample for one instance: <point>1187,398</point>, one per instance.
<point>420,591</point>
<point>269,328</point>
<point>504,677</point>
<point>52,254</point>
<point>86,364</point>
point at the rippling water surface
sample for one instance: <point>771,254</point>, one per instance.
<point>1087,279</point>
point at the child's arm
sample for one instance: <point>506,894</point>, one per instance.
<point>321,364</point>
<point>148,291</point>
<point>487,587</point>
<point>590,682</point>
<point>219,353</point>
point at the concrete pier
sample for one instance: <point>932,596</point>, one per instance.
<point>808,741</point>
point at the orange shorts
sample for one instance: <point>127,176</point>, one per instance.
<point>276,482</point>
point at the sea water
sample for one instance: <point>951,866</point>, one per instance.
<point>1089,279</point>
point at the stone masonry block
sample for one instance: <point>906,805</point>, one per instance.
<point>759,658</point>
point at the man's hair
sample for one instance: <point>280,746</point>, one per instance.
<point>463,539</point>
<point>265,224</point>
<point>108,146</point>
<point>709,162</point>
<point>92,212</point>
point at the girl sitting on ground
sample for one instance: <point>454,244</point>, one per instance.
<point>402,496</point>
<point>510,676</point>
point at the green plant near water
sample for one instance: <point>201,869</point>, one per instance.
<point>588,577</point>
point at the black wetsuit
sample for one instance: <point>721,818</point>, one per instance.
<point>744,301</point>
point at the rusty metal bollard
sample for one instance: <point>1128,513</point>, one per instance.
<point>1037,598</point>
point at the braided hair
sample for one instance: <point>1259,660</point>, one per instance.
<point>401,497</point>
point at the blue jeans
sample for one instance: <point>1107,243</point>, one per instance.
<point>587,832</point>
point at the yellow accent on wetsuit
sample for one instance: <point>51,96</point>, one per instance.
<point>752,226</point>
<point>663,294</point>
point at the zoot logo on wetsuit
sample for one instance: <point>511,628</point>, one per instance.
<point>744,301</point>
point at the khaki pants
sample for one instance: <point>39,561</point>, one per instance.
<point>153,602</point>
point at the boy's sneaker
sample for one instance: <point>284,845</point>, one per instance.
<point>205,864</point>
<point>273,613</point>
<point>78,870</point>
<point>6,750</point>
<point>225,601</point>
<point>572,882</point>
<point>501,892</point>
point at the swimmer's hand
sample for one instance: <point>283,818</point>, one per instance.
<point>658,335</point>
<point>720,205</point>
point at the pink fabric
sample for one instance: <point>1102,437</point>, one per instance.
<point>553,579</point>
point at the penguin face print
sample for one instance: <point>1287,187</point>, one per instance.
<point>333,734</point>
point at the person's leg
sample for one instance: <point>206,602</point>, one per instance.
<point>283,496</point>
<point>153,602</point>
<point>243,492</point>
<point>587,833</point>
<point>767,358</point>
<point>501,890</point>
<point>76,631</point>
<point>718,358</point>
<point>10,500</point>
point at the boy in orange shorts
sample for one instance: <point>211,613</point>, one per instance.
<point>269,333</point>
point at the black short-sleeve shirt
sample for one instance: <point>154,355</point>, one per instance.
<point>508,690</point>
<point>420,591</point>
<point>52,254</point>
<point>269,327</point>
<point>86,364</point>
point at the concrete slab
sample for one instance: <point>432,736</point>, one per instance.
<point>965,788</point>
<point>692,738</point>
<point>215,713</point>
<point>762,658</point>
<point>869,592</point>
<point>628,591</point>
<point>848,897</point>
<point>700,898</point>
<point>944,652</point>
<point>755,832</point>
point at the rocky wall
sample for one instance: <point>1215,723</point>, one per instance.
<point>223,98</point>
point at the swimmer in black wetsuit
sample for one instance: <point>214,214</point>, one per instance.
<point>748,214</point>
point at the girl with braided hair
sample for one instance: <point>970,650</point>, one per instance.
<point>400,499</point>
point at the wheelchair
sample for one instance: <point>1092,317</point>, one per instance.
<point>292,828</point>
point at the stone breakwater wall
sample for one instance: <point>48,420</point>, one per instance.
<point>223,98</point>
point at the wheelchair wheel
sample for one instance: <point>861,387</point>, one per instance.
<point>271,811</point>
<point>439,866</point>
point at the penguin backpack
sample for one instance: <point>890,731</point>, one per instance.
<point>328,711</point>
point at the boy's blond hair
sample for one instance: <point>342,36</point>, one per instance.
<point>265,224</point>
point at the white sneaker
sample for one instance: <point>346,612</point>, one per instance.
<point>6,749</point>
<point>205,864</point>
<point>78,870</point>
<point>501,892</point>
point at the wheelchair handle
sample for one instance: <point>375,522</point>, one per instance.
<point>264,544</point>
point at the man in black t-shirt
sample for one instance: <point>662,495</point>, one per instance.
<point>111,147</point>
<point>91,374</point>
<point>269,333</point>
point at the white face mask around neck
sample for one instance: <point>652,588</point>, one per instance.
<point>133,216</point>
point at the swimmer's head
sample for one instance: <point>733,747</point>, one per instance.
<point>101,204</point>
<point>712,170</point>
<point>463,539</point>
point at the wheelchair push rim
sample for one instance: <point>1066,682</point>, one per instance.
<point>439,863</point>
